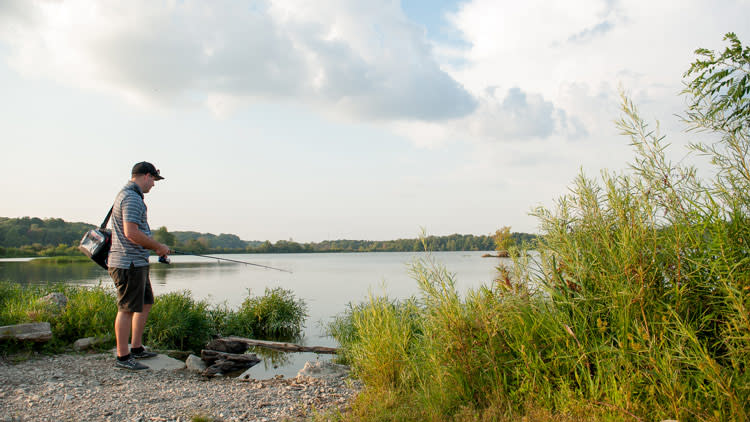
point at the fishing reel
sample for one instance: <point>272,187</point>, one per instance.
<point>164,259</point>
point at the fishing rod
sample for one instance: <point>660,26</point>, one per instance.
<point>166,261</point>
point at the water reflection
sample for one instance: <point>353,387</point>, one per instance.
<point>286,364</point>
<point>46,271</point>
<point>185,271</point>
<point>271,358</point>
<point>85,273</point>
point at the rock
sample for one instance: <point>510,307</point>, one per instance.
<point>83,343</point>
<point>247,375</point>
<point>88,342</point>
<point>323,370</point>
<point>160,362</point>
<point>163,362</point>
<point>81,386</point>
<point>56,299</point>
<point>194,363</point>
<point>35,331</point>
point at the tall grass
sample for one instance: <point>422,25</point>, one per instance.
<point>89,312</point>
<point>177,320</point>
<point>276,314</point>
<point>638,308</point>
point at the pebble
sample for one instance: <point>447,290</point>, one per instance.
<point>88,387</point>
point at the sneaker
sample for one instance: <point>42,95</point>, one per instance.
<point>130,364</point>
<point>145,354</point>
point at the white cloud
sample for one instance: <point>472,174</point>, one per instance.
<point>517,116</point>
<point>500,117</point>
<point>525,70</point>
<point>170,53</point>
<point>569,58</point>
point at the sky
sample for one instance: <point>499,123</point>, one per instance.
<point>335,119</point>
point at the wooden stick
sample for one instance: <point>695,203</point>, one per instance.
<point>226,362</point>
<point>286,347</point>
<point>210,356</point>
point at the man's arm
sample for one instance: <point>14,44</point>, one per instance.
<point>135,235</point>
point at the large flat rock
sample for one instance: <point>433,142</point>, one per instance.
<point>34,331</point>
<point>323,370</point>
<point>163,362</point>
<point>160,362</point>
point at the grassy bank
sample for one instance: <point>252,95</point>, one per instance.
<point>638,307</point>
<point>66,259</point>
<point>177,320</point>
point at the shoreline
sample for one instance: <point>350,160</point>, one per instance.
<point>74,386</point>
<point>83,258</point>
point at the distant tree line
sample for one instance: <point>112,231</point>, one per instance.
<point>30,236</point>
<point>224,243</point>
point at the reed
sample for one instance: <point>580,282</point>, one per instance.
<point>637,307</point>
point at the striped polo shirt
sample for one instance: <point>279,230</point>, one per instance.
<point>129,206</point>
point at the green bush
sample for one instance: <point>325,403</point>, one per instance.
<point>20,303</point>
<point>277,314</point>
<point>90,313</point>
<point>177,321</point>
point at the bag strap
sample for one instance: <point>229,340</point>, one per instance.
<point>106,219</point>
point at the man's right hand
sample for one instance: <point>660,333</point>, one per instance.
<point>162,250</point>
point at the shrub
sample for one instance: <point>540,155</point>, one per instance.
<point>18,303</point>
<point>277,314</point>
<point>90,313</point>
<point>177,321</point>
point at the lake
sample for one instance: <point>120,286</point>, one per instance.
<point>325,281</point>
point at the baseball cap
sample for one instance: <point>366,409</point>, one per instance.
<point>145,167</point>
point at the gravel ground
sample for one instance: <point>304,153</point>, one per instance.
<point>74,387</point>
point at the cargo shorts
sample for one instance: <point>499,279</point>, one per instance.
<point>133,287</point>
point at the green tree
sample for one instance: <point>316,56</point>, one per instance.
<point>164,236</point>
<point>503,240</point>
<point>720,103</point>
<point>720,88</point>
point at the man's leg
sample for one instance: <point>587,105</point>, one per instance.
<point>139,324</point>
<point>139,318</point>
<point>129,298</point>
<point>123,322</point>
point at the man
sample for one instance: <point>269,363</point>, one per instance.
<point>128,265</point>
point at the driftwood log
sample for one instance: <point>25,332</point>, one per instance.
<point>226,362</point>
<point>275,345</point>
<point>228,346</point>
<point>500,254</point>
<point>35,331</point>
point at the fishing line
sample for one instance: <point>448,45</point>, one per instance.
<point>166,261</point>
